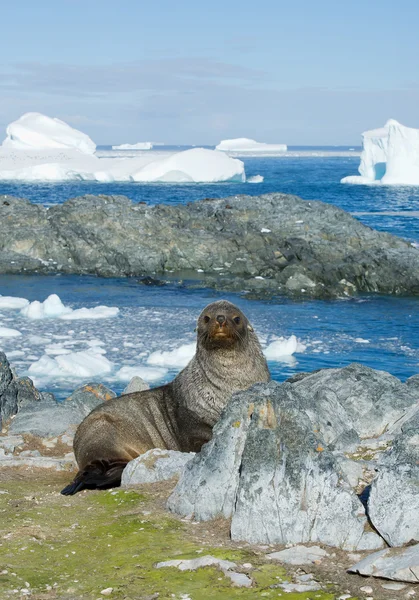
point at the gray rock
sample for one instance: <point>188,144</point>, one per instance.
<point>239,579</point>
<point>400,564</point>
<point>10,442</point>
<point>85,398</point>
<point>267,470</point>
<point>330,254</point>
<point>393,503</point>
<point>196,563</point>
<point>39,462</point>
<point>413,382</point>
<point>8,390</point>
<point>137,384</point>
<point>353,402</point>
<point>155,465</point>
<point>45,419</point>
<point>299,555</point>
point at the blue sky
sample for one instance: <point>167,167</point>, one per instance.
<point>298,72</point>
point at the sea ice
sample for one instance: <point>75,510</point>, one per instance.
<point>139,146</point>
<point>283,347</point>
<point>7,332</point>
<point>36,131</point>
<point>80,365</point>
<point>12,302</point>
<point>246,146</point>
<point>255,179</point>
<point>149,374</point>
<point>177,358</point>
<point>390,156</point>
<point>53,307</point>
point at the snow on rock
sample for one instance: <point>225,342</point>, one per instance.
<point>12,302</point>
<point>177,358</point>
<point>246,145</point>
<point>7,332</point>
<point>53,307</point>
<point>197,165</point>
<point>36,131</point>
<point>283,347</point>
<point>390,156</point>
<point>139,146</point>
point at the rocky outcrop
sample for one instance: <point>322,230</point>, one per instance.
<point>271,472</point>
<point>393,503</point>
<point>400,564</point>
<point>15,392</point>
<point>269,244</point>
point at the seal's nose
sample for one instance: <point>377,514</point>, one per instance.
<point>221,319</point>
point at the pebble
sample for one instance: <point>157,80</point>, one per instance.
<point>366,589</point>
<point>107,591</point>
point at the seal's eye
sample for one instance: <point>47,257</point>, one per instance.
<point>236,320</point>
<point>206,319</point>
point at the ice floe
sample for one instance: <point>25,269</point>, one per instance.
<point>149,374</point>
<point>249,146</point>
<point>390,156</point>
<point>12,302</point>
<point>255,179</point>
<point>7,332</point>
<point>282,348</point>
<point>53,307</point>
<point>82,364</point>
<point>36,131</point>
<point>139,146</point>
<point>177,358</point>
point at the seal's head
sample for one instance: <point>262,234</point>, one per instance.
<point>222,325</point>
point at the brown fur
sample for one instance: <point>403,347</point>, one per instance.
<point>176,416</point>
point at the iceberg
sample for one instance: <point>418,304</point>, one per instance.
<point>390,156</point>
<point>37,132</point>
<point>197,165</point>
<point>38,148</point>
<point>248,146</point>
<point>139,146</point>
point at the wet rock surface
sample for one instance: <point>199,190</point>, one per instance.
<point>310,248</point>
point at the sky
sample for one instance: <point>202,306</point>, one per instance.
<point>299,72</point>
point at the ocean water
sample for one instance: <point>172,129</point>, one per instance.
<point>379,331</point>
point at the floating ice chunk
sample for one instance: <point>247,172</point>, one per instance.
<point>177,358</point>
<point>264,230</point>
<point>12,302</point>
<point>36,131</point>
<point>283,347</point>
<point>149,374</point>
<point>255,179</point>
<point>390,156</point>
<point>362,341</point>
<point>52,307</point>
<point>7,332</point>
<point>98,312</point>
<point>247,145</point>
<point>197,165</point>
<point>75,364</point>
<point>139,146</point>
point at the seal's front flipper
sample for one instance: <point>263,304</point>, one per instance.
<point>100,474</point>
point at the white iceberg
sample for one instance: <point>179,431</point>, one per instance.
<point>197,165</point>
<point>249,146</point>
<point>36,131</point>
<point>83,364</point>
<point>390,156</point>
<point>282,348</point>
<point>139,146</point>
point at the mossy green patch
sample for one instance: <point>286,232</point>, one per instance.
<point>74,547</point>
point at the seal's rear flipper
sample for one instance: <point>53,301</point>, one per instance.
<point>100,474</point>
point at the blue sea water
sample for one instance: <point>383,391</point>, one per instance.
<point>379,331</point>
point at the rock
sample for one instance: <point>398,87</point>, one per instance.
<point>268,471</point>
<point>353,403</point>
<point>313,586</point>
<point>331,254</point>
<point>45,419</point>
<point>393,502</point>
<point>8,390</point>
<point>400,564</point>
<point>367,589</point>
<point>197,563</point>
<point>299,555</point>
<point>10,442</point>
<point>137,384</point>
<point>396,587</point>
<point>413,382</point>
<point>155,465</point>
<point>85,398</point>
<point>39,462</point>
<point>239,579</point>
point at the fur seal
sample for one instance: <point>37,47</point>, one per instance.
<point>179,415</point>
